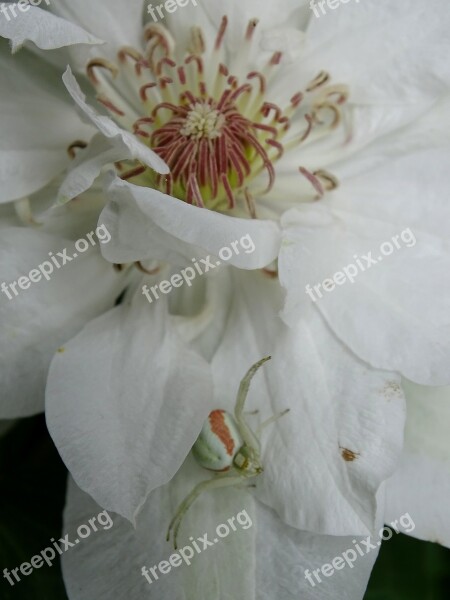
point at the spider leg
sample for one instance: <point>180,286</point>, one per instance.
<point>247,434</point>
<point>222,480</point>
<point>264,424</point>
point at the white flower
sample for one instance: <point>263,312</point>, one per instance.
<point>286,121</point>
<point>127,396</point>
<point>267,559</point>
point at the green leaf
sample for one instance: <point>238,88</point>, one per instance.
<point>409,569</point>
<point>32,491</point>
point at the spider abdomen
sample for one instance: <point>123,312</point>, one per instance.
<point>218,442</point>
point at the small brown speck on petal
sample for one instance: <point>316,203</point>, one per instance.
<point>348,455</point>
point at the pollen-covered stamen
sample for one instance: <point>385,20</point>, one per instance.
<point>102,74</point>
<point>74,146</point>
<point>329,181</point>
<point>138,264</point>
<point>109,105</point>
<point>321,79</point>
<point>160,44</point>
<point>127,54</point>
<point>320,180</point>
<point>221,33</point>
<point>271,273</point>
<point>197,45</point>
<point>121,267</point>
<point>99,63</point>
<point>140,124</point>
<point>134,172</point>
<point>250,204</point>
<point>313,180</point>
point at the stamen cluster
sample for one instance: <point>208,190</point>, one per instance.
<point>216,132</point>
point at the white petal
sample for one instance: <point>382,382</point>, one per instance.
<point>200,311</point>
<point>401,49</point>
<point>72,220</point>
<point>208,16</point>
<point>326,459</point>
<point>287,557</point>
<point>118,23</point>
<point>87,166</point>
<point>41,27</point>
<point>125,402</point>
<point>268,14</point>
<point>425,132</point>
<point>421,485</point>
<point>197,16</point>
<point>263,558</point>
<point>39,319</point>
<point>407,188</point>
<point>146,224</point>
<point>251,331</point>
<point>288,40</point>
<point>383,99</point>
<point>335,401</point>
<point>394,313</point>
<point>277,30</point>
<point>122,140</point>
<point>37,124</point>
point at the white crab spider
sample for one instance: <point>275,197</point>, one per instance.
<point>226,445</point>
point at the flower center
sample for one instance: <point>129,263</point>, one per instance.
<point>219,132</point>
<point>203,121</point>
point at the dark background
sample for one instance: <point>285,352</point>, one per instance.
<point>32,489</point>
